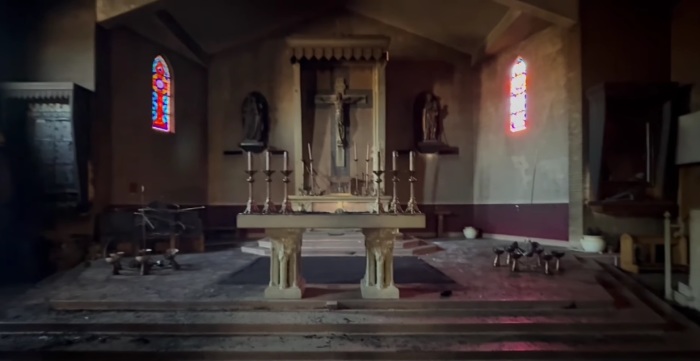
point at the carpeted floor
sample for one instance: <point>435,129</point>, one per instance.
<point>341,270</point>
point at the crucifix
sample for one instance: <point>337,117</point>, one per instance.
<point>341,100</point>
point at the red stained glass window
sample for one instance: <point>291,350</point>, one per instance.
<point>162,99</point>
<point>518,96</point>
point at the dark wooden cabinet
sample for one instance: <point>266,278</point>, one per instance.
<point>47,130</point>
<point>631,146</point>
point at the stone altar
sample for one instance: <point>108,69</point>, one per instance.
<point>336,203</point>
<point>285,233</point>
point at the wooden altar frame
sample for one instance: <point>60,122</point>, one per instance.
<point>369,48</point>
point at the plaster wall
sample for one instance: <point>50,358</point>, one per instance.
<point>63,42</point>
<point>171,166</point>
<point>415,65</point>
<point>523,177</point>
<point>529,166</point>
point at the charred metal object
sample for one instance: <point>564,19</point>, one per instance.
<point>497,260</point>
<point>144,261</point>
<point>114,260</point>
<point>557,259</point>
<point>170,258</point>
<point>547,257</point>
<point>514,261</point>
<point>515,255</point>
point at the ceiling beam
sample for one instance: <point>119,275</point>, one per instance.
<point>183,36</point>
<point>495,35</point>
<point>559,12</point>
<point>110,13</point>
<point>498,31</point>
<point>464,49</point>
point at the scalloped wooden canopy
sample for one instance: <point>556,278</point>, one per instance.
<point>345,48</point>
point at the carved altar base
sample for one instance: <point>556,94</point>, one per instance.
<point>333,202</point>
<point>285,264</point>
<point>285,233</point>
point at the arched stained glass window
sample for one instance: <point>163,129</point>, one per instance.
<point>518,96</point>
<point>162,96</point>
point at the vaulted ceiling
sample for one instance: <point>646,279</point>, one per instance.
<point>200,28</point>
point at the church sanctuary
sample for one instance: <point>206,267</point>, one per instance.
<point>349,180</point>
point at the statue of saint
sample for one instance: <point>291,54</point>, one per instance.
<point>253,112</point>
<point>430,117</point>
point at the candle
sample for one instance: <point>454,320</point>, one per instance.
<point>378,161</point>
<point>267,160</point>
<point>354,149</point>
<point>395,155</point>
<point>308,146</point>
<point>285,163</point>
<point>410,161</point>
<point>250,161</point>
<point>367,156</point>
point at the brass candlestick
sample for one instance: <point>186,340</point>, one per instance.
<point>357,180</point>
<point>379,208</point>
<point>251,207</point>
<point>412,206</point>
<point>269,206</point>
<point>312,178</point>
<point>395,206</point>
<point>286,207</point>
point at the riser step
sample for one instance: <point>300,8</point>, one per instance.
<point>333,243</point>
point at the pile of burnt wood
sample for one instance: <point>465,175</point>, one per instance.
<point>143,228</point>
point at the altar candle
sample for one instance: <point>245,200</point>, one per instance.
<point>250,161</point>
<point>354,149</point>
<point>395,155</point>
<point>267,160</point>
<point>410,160</point>
<point>377,163</point>
<point>285,162</point>
<point>367,156</point>
<point>308,146</point>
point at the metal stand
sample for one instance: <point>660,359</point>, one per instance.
<point>286,207</point>
<point>395,205</point>
<point>269,206</point>
<point>251,207</point>
<point>379,208</point>
<point>412,206</point>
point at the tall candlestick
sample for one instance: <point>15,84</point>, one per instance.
<point>308,146</point>
<point>394,156</point>
<point>250,161</point>
<point>285,163</point>
<point>267,160</point>
<point>411,155</point>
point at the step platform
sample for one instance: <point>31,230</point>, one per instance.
<point>347,242</point>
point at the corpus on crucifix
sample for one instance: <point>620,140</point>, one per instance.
<point>340,100</point>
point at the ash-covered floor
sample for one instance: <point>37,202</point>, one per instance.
<point>587,310</point>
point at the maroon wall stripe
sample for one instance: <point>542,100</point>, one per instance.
<point>549,221</point>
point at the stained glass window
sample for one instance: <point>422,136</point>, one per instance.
<point>518,96</point>
<point>162,98</point>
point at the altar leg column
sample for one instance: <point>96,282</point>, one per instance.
<point>379,272</point>
<point>286,281</point>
